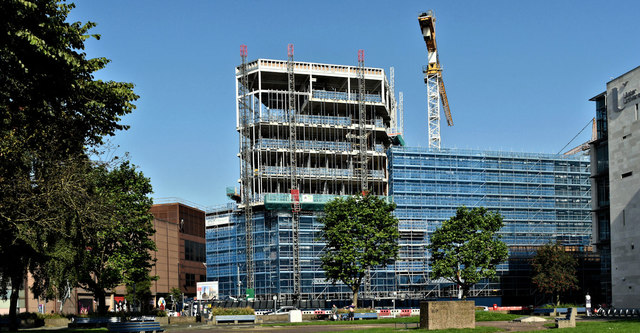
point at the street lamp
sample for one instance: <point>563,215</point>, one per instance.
<point>395,295</point>
<point>275,301</point>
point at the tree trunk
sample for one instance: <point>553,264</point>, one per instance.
<point>100,296</point>
<point>16,284</point>
<point>355,298</point>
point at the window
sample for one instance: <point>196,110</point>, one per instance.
<point>194,251</point>
<point>190,280</point>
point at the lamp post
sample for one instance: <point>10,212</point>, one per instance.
<point>395,295</point>
<point>275,301</point>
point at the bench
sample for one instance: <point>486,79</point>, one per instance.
<point>541,311</point>
<point>92,321</point>
<point>407,324</point>
<point>138,326</point>
<point>365,315</point>
<point>569,320</point>
<point>235,319</point>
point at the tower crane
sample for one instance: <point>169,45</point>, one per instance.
<point>436,94</point>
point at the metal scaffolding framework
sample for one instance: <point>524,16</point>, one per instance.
<point>295,192</point>
<point>308,132</point>
<point>246,113</point>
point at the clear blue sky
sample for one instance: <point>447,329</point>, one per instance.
<point>518,74</point>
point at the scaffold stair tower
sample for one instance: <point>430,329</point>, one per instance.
<point>295,192</point>
<point>362,129</point>
<point>247,170</point>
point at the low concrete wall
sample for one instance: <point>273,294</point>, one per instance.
<point>447,314</point>
<point>175,320</point>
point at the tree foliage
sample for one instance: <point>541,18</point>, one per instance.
<point>360,233</point>
<point>554,270</point>
<point>467,248</point>
<point>51,110</point>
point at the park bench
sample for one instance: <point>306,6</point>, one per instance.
<point>541,311</point>
<point>235,319</point>
<point>365,315</point>
<point>569,320</point>
<point>134,327</point>
<point>85,322</point>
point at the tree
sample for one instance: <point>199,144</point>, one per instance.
<point>360,233</point>
<point>119,250</point>
<point>52,109</point>
<point>467,248</point>
<point>554,271</point>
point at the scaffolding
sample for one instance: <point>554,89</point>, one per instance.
<point>542,198</point>
<point>246,114</point>
<point>309,132</point>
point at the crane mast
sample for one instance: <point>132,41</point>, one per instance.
<point>436,93</point>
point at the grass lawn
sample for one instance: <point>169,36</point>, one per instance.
<point>495,316</point>
<point>480,316</point>
<point>624,326</point>
<point>460,330</point>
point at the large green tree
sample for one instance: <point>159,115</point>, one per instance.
<point>119,250</point>
<point>51,110</point>
<point>360,233</point>
<point>554,271</point>
<point>467,247</point>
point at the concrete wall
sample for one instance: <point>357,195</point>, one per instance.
<point>623,96</point>
<point>447,314</point>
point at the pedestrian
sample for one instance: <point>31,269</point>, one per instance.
<point>352,310</point>
<point>587,301</point>
<point>334,312</point>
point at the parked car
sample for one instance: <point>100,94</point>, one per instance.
<point>282,310</point>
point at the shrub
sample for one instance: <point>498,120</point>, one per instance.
<point>218,311</point>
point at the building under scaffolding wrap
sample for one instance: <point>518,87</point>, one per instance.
<point>542,198</point>
<point>310,132</point>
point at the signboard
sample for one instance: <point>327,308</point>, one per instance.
<point>251,294</point>
<point>207,290</point>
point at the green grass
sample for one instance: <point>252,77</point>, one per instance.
<point>480,316</point>
<point>623,326</point>
<point>495,316</point>
<point>414,319</point>
<point>460,330</point>
<point>66,330</point>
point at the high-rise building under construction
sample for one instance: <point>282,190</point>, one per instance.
<point>310,132</point>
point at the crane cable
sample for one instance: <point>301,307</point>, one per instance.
<point>585,126</point>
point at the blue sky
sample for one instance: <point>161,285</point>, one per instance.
<point>518,74</point>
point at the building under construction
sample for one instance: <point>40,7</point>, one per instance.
<point>308,132</point>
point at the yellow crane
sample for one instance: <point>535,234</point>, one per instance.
<point>436,94</point>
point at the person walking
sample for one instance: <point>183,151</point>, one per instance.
<point>334,312</point>
<point>352,310</point>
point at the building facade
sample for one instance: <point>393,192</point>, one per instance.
<point>180,239</point>
<point>599,156</point>
<point>622,99</point>
<point>543,198</point>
